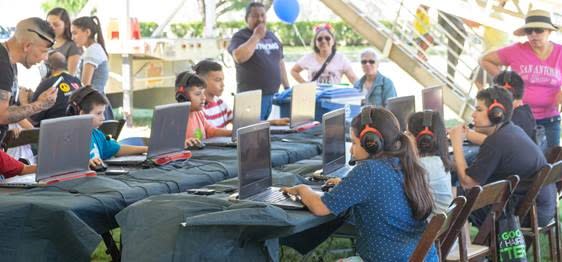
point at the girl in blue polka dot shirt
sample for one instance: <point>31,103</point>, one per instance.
<point>387,191</point>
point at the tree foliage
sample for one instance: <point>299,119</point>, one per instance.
<point>72,6</point>
<point>224,6</point>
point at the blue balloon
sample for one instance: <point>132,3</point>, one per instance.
<point>286,10</point>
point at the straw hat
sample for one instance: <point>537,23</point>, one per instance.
<point>536,19</point>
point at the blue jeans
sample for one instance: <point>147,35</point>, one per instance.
<point>552,130</point>
<point>266,103</point>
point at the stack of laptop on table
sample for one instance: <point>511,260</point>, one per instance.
<point>167,138</point>
<point>303,106</point>
<point>247,111</point>
<point>254,169</point>
<point>64,153</point>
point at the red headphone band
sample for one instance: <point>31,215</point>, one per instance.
<point>425,131</point>
<point>496,104</point>
<point>507,85</point>
<point>368,128</point>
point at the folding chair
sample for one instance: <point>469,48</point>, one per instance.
<point>27,136</point>
<point>112,127</point>
<point>494,195</point>
<point>547,175</point>
<point>437,227</point>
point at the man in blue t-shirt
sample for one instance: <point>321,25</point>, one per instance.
<point>259,58</point>
<point>87,100</point>
<point>507,150</point>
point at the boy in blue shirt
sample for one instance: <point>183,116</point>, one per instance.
<point>89,101</point>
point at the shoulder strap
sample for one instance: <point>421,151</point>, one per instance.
<point>317,75</point>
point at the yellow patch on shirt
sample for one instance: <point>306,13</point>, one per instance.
<point>64,87</point>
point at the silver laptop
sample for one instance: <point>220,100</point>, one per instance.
<point>247,110</point>
<point>432,99</point>
<point>333,138</point>
<point>254,168</point>
<point>402,107</point>
<point>167,134</point>
<point>303,106</point>
<point>64,152</point>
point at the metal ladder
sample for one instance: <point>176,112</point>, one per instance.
<point>398,43</point>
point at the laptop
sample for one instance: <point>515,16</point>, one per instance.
<point>333,138</point>
<point>402,107</point>
<point>432,99</point>
<point>167,136</point>
<point>63,153</point>
<point>254,168</point>
<point>247,111</point>
<point>303,106</point>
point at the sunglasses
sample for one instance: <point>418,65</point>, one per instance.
<point>325,38</point>
<point>364,62</point>
<point>42,36</point>
<point>536,30</point>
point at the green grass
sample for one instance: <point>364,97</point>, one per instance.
<point>329,250</point>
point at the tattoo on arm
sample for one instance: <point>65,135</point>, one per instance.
<point>18,113</point>
<point>5,95</point>
<point>15,114</point>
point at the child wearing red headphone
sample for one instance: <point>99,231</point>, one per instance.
<point>507,150</point>
<point>522,115</point>
<point>386,191</point>
<point>427,130</point>
<point>86,101</point>
<point>189,88</point>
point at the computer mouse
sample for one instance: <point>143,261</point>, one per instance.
<point>100,168</point>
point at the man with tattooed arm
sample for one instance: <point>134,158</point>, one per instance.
<point>29,45</point>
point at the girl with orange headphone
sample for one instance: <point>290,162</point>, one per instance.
<point>387,191</point>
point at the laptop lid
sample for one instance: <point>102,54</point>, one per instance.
<point>333,130</point>
<point>247,110</point>
<point>401,107</point>
<point>169,125</point>
<point>432,99</point>
<point>254,159</point>
<point>303,104</point>
<point>64,146</point>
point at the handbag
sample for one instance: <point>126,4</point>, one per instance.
<point>510,239</point>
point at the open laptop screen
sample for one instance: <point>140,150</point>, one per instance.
<point>64,146</point>
<point>254,159</point>
<point>169,124</point>
<point>303,104</point>
<point>247,110</point>
<point>432,99</point>
<point>401,107</point>
<point>333,155</point>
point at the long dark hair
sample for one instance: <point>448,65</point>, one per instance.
<point>65,18</point>
<point>397,144</point>
<point>440,144</point>
<point>318,31</point>
<point>93,24</point>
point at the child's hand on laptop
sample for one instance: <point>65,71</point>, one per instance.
<point>95,162</point>
<point>333,181</point>
<point>279,122</point>
<point>192,142</point>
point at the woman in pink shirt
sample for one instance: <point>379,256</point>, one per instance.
<point>539,62</point>
<point>324,46</point>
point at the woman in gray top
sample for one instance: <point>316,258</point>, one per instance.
<point>428,131</point>
<point>94,67</point>
<point>59,20</point>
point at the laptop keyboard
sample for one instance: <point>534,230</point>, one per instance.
<point>270,196</point>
